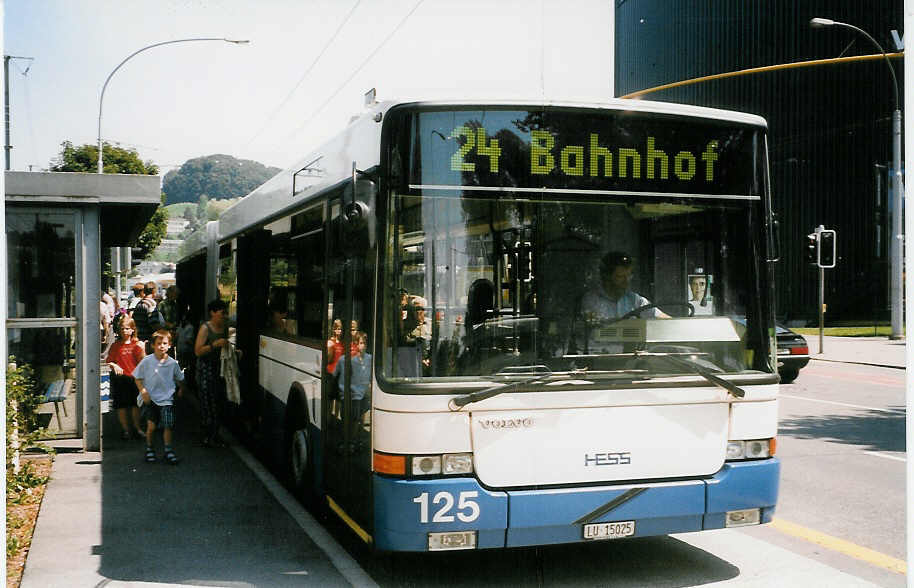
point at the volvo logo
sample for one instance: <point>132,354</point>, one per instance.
<point>506,423</point>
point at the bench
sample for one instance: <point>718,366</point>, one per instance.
<point>57,392</point>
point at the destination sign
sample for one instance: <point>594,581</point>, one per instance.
<point>584,150</point>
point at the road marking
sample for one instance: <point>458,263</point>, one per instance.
<point>886,455</point>
<point>840,545</point>
<point>888,410</point>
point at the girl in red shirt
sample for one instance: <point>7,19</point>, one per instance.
<point>123,356</point>
<point>335,345</point>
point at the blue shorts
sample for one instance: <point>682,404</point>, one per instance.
<point>160,416</point>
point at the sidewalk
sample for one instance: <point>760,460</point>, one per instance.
<point>878,351</point>
<point>111,519</point>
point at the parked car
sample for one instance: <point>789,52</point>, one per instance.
<point>793,353</point>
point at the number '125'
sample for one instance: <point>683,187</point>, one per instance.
<point>467,510</point>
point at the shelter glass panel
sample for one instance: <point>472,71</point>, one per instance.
<point>41,264</point>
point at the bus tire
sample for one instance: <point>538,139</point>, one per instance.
<point>300,454</point>
<point>788,375</point>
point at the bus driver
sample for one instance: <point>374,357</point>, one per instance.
<point>613,297</point>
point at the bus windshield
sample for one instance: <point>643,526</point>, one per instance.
<point>633,272</point>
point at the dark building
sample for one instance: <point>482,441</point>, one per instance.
<point>829,125</point>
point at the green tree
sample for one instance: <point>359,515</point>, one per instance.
<point>201,208</point>
<point>219,176</point>
<point>116,160</point>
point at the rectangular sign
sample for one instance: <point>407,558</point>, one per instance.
<point>615,530</point>
<point>586,149</point>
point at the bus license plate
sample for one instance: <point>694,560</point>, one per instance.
<point>609,530</point>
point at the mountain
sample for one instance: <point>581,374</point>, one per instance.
<point>215,176</point>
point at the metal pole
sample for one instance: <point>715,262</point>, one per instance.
<point>821,309</point>
<point>101,98</point>
<point>6,107</point>
<point>897,240</point>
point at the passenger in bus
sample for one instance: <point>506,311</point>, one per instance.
<point>612,296</point>
<point>334,345</point>
<point>353,332</point>
<point>278,313</point>
<point>409,345</point>
<point>420,335</point>
<point>211,338</point>
<point>360,382</point>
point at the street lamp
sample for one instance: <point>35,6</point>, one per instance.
<point>102,97</point>
<point>895,253</point>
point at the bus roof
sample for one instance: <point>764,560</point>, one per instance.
<point>629,104</point>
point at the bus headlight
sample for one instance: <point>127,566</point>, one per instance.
<point>426,465</point>
<point>751,449</point>
<point>458,463</point>
<point>449,464</point>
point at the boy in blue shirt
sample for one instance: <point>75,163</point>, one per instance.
<point>360,382</point>
<point>156,377</point>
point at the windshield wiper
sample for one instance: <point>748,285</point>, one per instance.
<point>456,404</point>
<point>683,360</point>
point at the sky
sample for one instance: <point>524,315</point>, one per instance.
<point>299,80</point>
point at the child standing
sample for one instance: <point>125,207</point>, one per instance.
<point>123,357</point>
<point>359,384</point>
<point>157,376</point>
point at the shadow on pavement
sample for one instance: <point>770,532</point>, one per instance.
<point>871,429</point>
<point>649,561</point>
<point>208,520</point>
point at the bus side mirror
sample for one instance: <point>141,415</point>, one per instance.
<point>357,215</point>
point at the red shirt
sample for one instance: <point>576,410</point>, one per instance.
<point>126,355</point>
<point>337,354</point>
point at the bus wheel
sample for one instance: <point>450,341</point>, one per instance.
<point>301,464</point>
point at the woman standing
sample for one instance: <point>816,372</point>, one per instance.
<point>335,345</point>
<point>211,338</point>
<point>123,356</point>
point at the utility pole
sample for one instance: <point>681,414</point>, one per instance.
<point>6,101</point>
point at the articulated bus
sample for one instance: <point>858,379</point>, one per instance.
<point>418,351</point>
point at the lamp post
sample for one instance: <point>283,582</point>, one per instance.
<point>101,99</point>
<point>895,253</point>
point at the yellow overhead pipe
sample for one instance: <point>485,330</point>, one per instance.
<point>764,69</point>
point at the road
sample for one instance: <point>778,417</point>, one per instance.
<point>840,519</point>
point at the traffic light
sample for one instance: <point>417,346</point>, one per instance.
<point>827,243</point>
<point>134,257</point>
<point>812,248</point>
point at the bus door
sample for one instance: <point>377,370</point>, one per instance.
<point>347,378</point>
<point>253,282</point>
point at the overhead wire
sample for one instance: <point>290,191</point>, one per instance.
<point>354,73</point>
<point>301,80</point>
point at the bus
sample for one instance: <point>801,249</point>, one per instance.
<point>419,356</point>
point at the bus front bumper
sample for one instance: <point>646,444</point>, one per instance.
<point>458,513</point>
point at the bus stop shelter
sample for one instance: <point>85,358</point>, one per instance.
<point>56,227</point>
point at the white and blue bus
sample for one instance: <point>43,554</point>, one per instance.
<point>489,405</point>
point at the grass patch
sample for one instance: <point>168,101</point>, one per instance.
<point>870,331</point>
